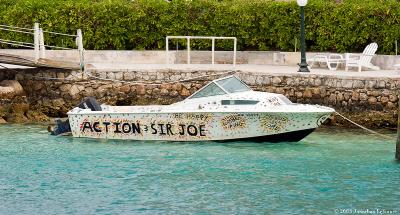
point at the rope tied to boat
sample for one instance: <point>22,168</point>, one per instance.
<point>185,80</point>
<point>75,77</point>
<point>367,129</point>
<point>167,82</point>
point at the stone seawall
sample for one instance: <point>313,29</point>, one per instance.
<point>369,101</point>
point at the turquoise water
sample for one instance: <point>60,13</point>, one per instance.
<point>332,169</point>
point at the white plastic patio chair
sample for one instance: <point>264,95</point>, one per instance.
<point>332,61</point>
<point>363,60</point>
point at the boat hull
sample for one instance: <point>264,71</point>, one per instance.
<point>292,136</point>
<point>260,126</point>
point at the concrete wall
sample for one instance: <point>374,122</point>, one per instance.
<point>180,57</point>
<point>373,101</point>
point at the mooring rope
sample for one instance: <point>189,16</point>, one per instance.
<point>360,126</point>
<point>152,83</point>
<point>123,81</point>
<point>185,80</point>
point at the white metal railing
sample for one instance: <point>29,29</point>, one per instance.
<point>38,41</point>
<point>18,30</point>
<point>188,38</point>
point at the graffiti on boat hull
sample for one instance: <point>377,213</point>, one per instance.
<point>189,126</point>
<point>138,128</point>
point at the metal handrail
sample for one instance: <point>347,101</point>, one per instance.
<point>17,42</point>
<point>10,43</point>
<point>24,32</point>
<point>212,38</point>
<point>39,46</point>
<point>62,34</point>
<point>9,26</point>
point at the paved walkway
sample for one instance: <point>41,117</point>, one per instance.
<point>272,69</point>
<point>245,68</point>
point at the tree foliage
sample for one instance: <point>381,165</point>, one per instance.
<point>258,24</point>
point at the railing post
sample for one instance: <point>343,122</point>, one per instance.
<point>167,50</point>
<point>188,49</point>
<point>212,49</point>
<point>79,39</point>
<point>234,51</point>
<point>36,41</point>
<point>212,38</point>
<point>79,43</point>
<point>42,48</point>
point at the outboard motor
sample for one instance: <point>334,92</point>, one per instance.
<point>90,103</point>
<point>63,127</point>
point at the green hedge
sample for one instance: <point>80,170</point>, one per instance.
<point>258,24</point>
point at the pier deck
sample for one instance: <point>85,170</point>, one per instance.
<point>41,62</point>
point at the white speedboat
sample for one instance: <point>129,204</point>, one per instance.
<point>225,109</point>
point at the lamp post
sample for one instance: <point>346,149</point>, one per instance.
<point>303,63</point>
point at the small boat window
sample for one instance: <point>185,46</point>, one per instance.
<point>233,85</point>
<point>239,102</point>
<point>211,90</point>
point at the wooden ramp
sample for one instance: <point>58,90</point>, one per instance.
<point>42,62</point>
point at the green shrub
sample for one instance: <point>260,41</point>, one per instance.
<point>258,24</point>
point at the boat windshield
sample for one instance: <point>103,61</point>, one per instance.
<point>221,87</point>
<point>285,99</point>
<point>210,90</point>
<point>233,85</point>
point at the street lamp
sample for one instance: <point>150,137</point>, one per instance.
<point>303,64</point>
